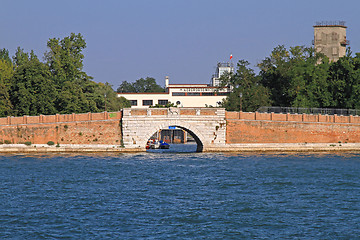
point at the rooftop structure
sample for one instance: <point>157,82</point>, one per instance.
<point>221,68</point>
<point>330,39</point>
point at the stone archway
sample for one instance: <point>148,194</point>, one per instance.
<point>206,125</point>
<point>198,137</point>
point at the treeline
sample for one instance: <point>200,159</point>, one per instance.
<point>29,86</point>
<point>141,85</point>
<point>295,77</point>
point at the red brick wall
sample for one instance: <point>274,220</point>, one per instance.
<point>89,128</point>
<point>291,128</point>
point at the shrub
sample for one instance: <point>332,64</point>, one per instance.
<point>27,143</point>
<point>57,145</point>
<point>7,142</point>
<point>50,143</point>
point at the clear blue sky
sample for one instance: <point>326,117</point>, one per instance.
<point>130,39</point>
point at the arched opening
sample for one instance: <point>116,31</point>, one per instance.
<point>171,135</point>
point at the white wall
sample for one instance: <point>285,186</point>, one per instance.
<point>185,101</point>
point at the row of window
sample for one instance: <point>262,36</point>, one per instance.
<point>200,94</point>
<point>148,102</point>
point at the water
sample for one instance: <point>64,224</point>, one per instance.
<point>180,196</point>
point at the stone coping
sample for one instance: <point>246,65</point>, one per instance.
<point>285,147</point>
<point>43,148</point>
<point>246,147</point>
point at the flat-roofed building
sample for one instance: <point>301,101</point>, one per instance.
<point>183,95</point>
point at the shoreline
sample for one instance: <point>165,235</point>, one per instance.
<point>244,147</point>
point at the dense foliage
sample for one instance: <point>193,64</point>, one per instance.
<point>298,77</point>
<point>140,86</point>
<point>58,85</point>
<point>295,77</point>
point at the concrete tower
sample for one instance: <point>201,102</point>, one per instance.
<point>221,68</point>
<point>330,39</point>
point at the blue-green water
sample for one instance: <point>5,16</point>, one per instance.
<point>180,196</point>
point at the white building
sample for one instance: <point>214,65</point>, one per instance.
<point>220,70</point>
<point>184,95</point>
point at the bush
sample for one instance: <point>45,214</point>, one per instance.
<point>7,142</point>
<point>50,143</point>
<point>27,143</point>
<point>57,145</point>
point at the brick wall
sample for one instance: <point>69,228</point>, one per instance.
<point>88,128</point>
<point>291,128</point>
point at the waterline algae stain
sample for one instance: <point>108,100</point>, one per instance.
<point>180,196</point>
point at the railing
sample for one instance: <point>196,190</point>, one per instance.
<point>322,111</point>
<point>330,23</point>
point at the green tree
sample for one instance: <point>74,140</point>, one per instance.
<point>247,91</point>
<point>308,85</point>
<point>65,60</point>
<point>6,73</point>
<point>296,77</point>
<point>32,91</point>
<point>344,82</point>
<point>4,55</point>
<point>141,85</point>
<point>113,102</point>
<point>126,87</point>
<point>274,72</point>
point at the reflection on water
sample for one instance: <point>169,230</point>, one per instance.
<point>177,148</point>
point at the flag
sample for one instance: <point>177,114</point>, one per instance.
<point>230,56</point>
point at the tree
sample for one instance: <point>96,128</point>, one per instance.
<point>6,73</point>
<point>296,77</point>
<point>344,82</point>
<point>32,90</point>
<point>65,58</point>
<point>308,87</point>
<point>139,86</point>
<point>75,88</point>
<point>247,92</point>
<point>275,75</point>
<point>113,102</point>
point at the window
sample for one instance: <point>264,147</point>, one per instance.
<point>133,102</point>
<point>193,94</point>
<point>178,94</point>
<point>208,94</point>
<point>147,102</point>
<point>163,102</point>
<point>335,51</point>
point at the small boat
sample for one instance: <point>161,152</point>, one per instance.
<point>164,145</point>
<point>155,144</point>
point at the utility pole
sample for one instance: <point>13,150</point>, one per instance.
<point>105,101</point>
<point>240,101</point>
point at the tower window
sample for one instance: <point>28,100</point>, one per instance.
<point>335,51</point>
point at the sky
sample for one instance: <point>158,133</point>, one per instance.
<point>183,39</point>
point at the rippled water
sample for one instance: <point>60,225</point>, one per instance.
<point>180,196</point>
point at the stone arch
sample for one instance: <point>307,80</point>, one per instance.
<point>193,131</point>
